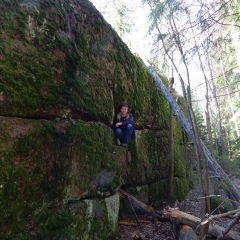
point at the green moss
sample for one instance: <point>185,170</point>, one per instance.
<point>39,166</point>
<point>90,219</point>
<point>140,192</point>
<point>147,162</point>
<point>82,67</point>
<point>157,193</point>
<point>181,187</point>
<point>38,79</point>
<point>64,61</point>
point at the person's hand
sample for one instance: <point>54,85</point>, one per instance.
<point>118,124</point>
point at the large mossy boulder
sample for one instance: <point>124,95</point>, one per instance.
<point>63,71</point>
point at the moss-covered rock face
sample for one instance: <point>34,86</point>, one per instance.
<point>58,58</point>
<point>63,71</point>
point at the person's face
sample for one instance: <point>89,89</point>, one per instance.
<point>124,110</point>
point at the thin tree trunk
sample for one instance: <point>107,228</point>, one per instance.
<point>206,177</point>
<point>220,129</point>
<point>208,87</point>
<point>219,118</point>
<point>221,134</point>
<point>230,102</point>
<point>219,121</point>
<point>171,158</point>
<point>209,128</point>
<point>208,106</point>
<point>197,146</point>
<point>205,205</point>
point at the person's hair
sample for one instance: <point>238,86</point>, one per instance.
<point>124,105</point>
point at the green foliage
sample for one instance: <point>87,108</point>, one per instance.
<point>235,149</point>
<point>122,23</point>
<point>181,187</point>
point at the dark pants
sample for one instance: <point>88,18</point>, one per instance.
<point>124,133</point>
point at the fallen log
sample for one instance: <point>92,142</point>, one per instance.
<point>217,230</point>
<point>193,221</point>
<point>127,223</point>
<point>182,217</point>
<point>184,232</point>
<point>230,225</point>
<point>138,206</point>
<point>186,222</point>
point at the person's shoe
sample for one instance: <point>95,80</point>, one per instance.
<point>124,144</point>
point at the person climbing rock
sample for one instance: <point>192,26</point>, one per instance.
<point>123,125</point>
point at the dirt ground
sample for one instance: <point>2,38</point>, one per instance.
<point>156,230</point>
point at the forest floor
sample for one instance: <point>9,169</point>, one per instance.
<point>156,230</point>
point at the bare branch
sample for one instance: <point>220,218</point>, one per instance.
<point>220,216</point>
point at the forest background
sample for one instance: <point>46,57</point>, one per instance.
<point>197,42</point>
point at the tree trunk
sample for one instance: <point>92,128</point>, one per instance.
<point>206,85</point>
<point>171,158</point>
<point>208,106</point>
<point>209,128</point>
<point>220,128</point>
<point>219,117</point>
<point>198,149</point>
<point>206,177</point>
<point>230,103</point>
